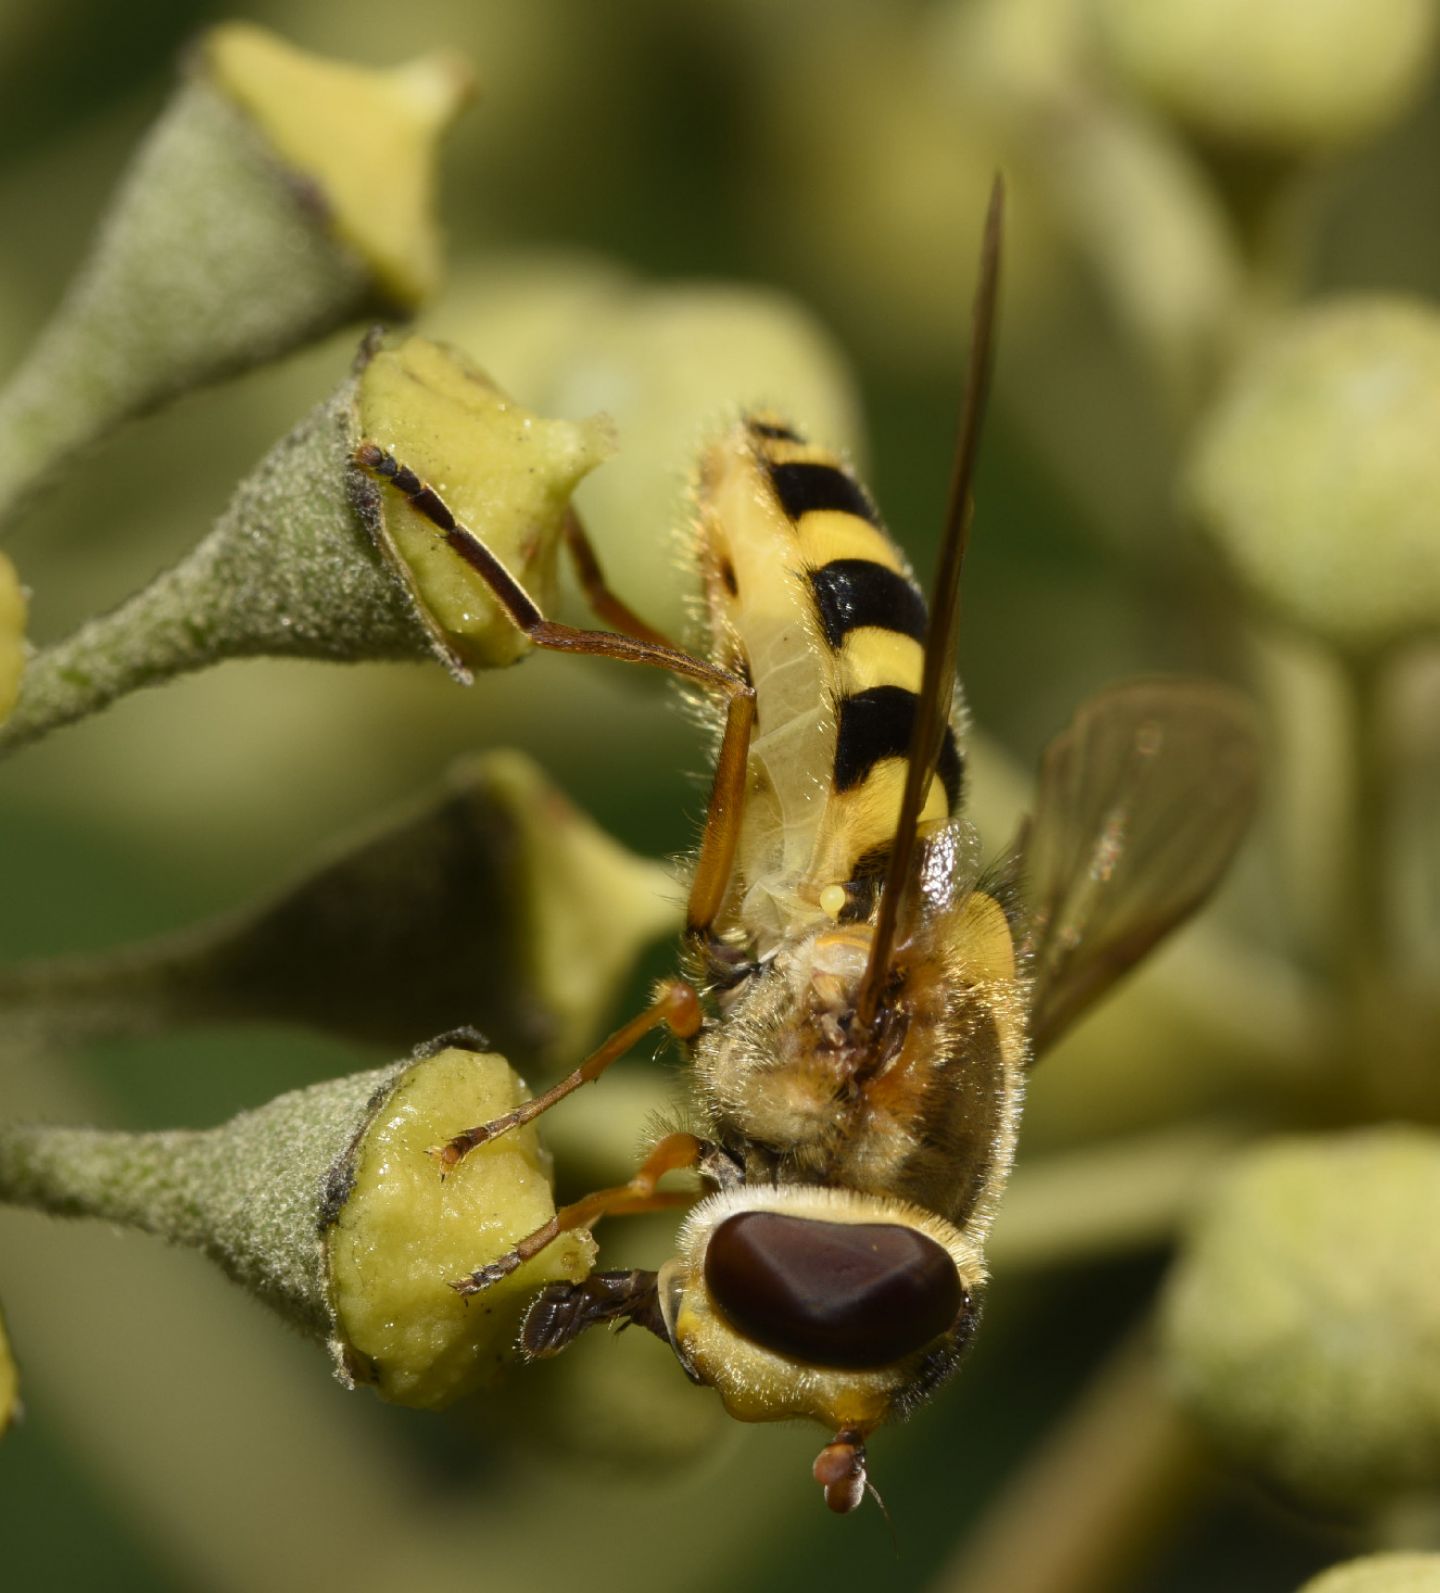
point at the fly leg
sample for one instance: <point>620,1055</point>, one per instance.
<point>673,1152</point>
<point>612,609</point>
<point>727,794</point>
<point>676,1007</point>
<point>561,1312</point>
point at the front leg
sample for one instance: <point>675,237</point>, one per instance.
<point>675,1006</point>
<point>561,1312</point>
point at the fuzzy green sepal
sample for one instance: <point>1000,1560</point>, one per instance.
<point>290,569</point>
<point>314,559</point>
<point>239,233</point>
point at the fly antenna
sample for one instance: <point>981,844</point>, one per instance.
<point>932,712</point>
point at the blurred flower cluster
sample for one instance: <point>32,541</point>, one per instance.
<point>1214,451</point>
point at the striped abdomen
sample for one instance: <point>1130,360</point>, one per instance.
<point>809,597</point>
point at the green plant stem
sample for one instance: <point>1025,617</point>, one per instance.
<point>55,1003</point>
<point>154,636</point>
<point>1412,1526</point>
<point>290,569</point>
<point>1272,206</point>
<point>251,1194</point>
<point>1112,1200</point>
<point>1363,933</point>
<point>135,1180</point>
<point>1104,1489</point>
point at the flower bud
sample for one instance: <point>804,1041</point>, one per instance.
<point>1317,474</point>
<point>279,196</point>
<point>668,366</point>
<point>1286,76</point>
<point>505,473</point>
<point>314,559</point>
<point>325,1205</point>
<point>363,140</point>
<point>1302,1321</point>
<point>1380,1573</point>
<point>12,636</point>
<point>400,1235</point>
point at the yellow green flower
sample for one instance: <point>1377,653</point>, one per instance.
<point>1288,75</point>
<point>1317,473</point>
<point>365,139</point>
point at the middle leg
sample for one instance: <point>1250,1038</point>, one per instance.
<point>676,1007</point>
<point>639,1195</point>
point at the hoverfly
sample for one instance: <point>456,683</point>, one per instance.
<point>860,998</point>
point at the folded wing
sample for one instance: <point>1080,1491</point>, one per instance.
<point>1142,803</point>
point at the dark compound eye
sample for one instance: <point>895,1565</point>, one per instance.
<point>850,1295</point>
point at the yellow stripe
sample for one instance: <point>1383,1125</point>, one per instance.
<point>875,657</point>
<point>826,534</point>
<point>780,451</point>
<point>864,818</point>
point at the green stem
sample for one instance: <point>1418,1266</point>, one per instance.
<point>51,410</point>
<point>252,1194</point>
<point>1109,1201</point>
<point>56,1003</point>
<point>1272,204</point>
<point>289,570</point>
<point>1362,935</point>
<point>1105,1488</point>
<point>161,632</point>
<point>137,1180</point>
<point>1369,925</point>
<point>1409,1526</point>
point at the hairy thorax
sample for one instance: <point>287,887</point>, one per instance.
<point>792,1077</point>
<point>919,1105</point>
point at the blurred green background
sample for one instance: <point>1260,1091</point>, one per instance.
<point>840,153</point>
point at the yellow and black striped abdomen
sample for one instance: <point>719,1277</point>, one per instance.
<point>810,598</point>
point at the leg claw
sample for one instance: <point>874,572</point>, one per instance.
<point>453,1151</point>
<point>479,1281</point>
<point>445,1157</point>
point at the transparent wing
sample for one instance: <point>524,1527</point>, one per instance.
<point>1142,803</point>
